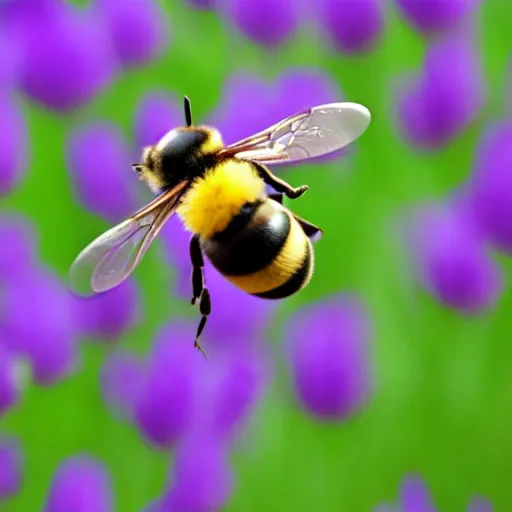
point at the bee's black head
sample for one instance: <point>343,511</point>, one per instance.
<point>182,153</point>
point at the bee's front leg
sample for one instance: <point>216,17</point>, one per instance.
<point>278,184</point>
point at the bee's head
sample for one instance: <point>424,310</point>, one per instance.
<point>182,153</point>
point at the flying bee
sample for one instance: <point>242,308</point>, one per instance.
<point>219,193</point>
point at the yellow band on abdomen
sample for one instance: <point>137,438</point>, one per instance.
<point>287,262</point>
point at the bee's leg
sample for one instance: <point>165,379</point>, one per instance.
<point>277,197</point>
<point>205,308</point>
<point>196,257</point>
<point>199,290</point>
<point>314,233</point>
<point>278,184</point>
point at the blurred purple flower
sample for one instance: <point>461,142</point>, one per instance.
<point>167,397</point>
<point>237,318</point>
<point>433,16</point>
<point>451,259</point>
<point>415,496</point>
<point>296,89</point>
<point>10,56</point>
<point>139,29</point>
<point>157,113</point>
<point>111,314</point>
<point>327,349</point>
<point>437,106</point>
<point>100,162</point>
<point>202,4</point>
<point>10,468</point>
<point>490,186</point>
<point>480,505</point>
<point>9,386</point>
<point>202,478</point>
<point>81,483</point>
<point>229,390</point>
<point>49,339</point>
<point>235,116</point>
<point>155,506</point>
<point>19,246</point>
<point>122,377</point>
<point>14,149</point>
<point>353,26</point>
<point>269,23</point>
<point>67,54</point>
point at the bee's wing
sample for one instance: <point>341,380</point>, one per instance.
<point>314,132</point>
<point>109,259</point>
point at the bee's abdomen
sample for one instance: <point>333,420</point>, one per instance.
<point>263,251</point>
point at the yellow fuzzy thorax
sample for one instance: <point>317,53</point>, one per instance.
<point>212,201</point>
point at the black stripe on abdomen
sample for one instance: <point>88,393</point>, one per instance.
<point>296,281</point>
<point>251,241</point>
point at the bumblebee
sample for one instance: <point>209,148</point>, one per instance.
<point>219,192</point>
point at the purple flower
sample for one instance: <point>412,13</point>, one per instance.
<point>19,246</point>
<point>111,314</point>
<point>155,506</point>
<point>327,351</point>
<point>452,261</point>
<point>480,505</point>
<point>490,186</point>
<point>235,116</point>
<point>167,397</point>
<point>81,483</point>
<point>157,113</point>
<point>13,142</point>
<point>269,23</point>
<point>297,89</point>
<point>237,318</point>
<point>9,386</point>
<point>229,390</point>
<point>100,163</point>
<point>202,4</point>
<point>10,56</point>
<point>49,339</point>
<point>122,376</point>
<point>139,29</point>
<point>353,26</point>
<point>67,54</point>
<point>202,479</point>
<point>414,496</point>
<point>433,16</point>
<point>438,105</point>
<point>10,468</point>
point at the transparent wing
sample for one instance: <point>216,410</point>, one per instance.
<point>110,259</point>
<point>314,132</point>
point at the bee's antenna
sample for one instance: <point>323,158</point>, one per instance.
<point>188,112</point>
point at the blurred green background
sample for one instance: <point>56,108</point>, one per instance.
<point>442,399</point>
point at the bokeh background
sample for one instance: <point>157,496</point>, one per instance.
<point>385,385</point>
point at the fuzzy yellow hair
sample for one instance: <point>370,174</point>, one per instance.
<point>211,203</point>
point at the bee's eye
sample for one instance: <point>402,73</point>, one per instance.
<point>137,168</point>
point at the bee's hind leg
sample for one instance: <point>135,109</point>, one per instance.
<point>278,198</point>
<point>199,290</point>
<point>314,233</point>
<point>278,184</point>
